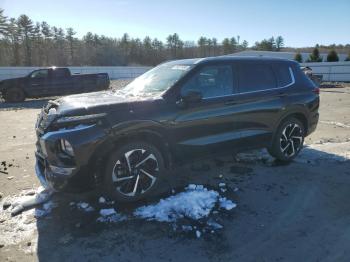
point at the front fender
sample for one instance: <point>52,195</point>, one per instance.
<point>138,126</point>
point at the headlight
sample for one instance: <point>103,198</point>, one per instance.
<point>66,147</point>
<point>86,118</point>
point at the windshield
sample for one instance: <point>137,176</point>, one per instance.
<point>156,80</point>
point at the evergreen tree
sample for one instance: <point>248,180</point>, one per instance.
<point>332,56</point>
<point>226,46</point>
<point>70,38</point>
<point>234,44</point>
<point>202,41</point>
<point>279,43</point>
<point>14,36</point>
<point>26,29</point>
<point>3,23</point>
<point>298,57</point>
<point>244,45</point>
<point>175,44</point>
<point>315,56</point>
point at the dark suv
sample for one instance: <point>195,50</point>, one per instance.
<point>124,140</point>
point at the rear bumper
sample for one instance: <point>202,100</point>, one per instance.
<point>313,121</point>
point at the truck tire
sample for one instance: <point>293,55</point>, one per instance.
<point>14,94</point>
<point>133,172</point>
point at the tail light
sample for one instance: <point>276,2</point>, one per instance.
<point>316,90</point>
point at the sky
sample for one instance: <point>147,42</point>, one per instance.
<point>301,22</point>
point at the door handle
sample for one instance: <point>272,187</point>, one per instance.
<point>231,102</point>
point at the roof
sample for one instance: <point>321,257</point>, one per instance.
<point>226,58</point>
<point>282,54</point>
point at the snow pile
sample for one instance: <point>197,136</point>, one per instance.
<point>109,215</point>
<point>85,207</point>
<point>17,222</point>
<point>195,203</point>
<point>45,210</point>
<point>226,203</point>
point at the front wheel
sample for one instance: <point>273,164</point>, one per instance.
<point>14,95</point>
<point>288,140</point>
<point>133,172</point>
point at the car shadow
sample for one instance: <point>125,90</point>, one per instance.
<point>28,104</point>
<point>74,235</point>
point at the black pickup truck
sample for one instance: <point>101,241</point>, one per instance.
<point>51,81</point>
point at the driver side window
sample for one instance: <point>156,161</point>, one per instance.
<point>43,73</point>
<point>211,81</point>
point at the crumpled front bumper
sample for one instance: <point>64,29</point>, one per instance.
<point>52,177</point>
<point>55,171</point>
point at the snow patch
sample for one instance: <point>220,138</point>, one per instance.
<point>102,200</point>
<point>19,224</point>
<point>195,203</point>
<point>45,210</point>
<point>110,215</point>
<point>226,203</point>
<point>85,207</point>
<point>107,212</point>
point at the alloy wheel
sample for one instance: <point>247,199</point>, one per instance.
<point>135,172</point>
<point>291,140</point>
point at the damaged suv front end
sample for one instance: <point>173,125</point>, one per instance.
<point>64,147</point>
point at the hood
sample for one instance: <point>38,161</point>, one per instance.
<point>11,80</point>
<point>95,102</point>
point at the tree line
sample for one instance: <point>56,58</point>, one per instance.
<point>315,56</point>
<point>27,43</point>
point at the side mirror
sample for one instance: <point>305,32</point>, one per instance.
<point>192,96</point>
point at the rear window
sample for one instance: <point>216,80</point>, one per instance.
<point>256,77</point>
<point>283,75</point>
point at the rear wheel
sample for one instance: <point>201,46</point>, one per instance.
<point>14,95</point>
<point>133,172</point>
<point>288,140</point>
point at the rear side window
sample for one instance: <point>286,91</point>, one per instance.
<point>256,77</point>
<point>283,75</point>
<point>211,81</point>
<point>60,73</point>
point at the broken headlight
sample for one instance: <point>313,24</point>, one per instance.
<point>66,147</point>
<point>80,119</point>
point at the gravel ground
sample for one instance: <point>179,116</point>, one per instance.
<point>295,212</point>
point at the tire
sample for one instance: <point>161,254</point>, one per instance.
<point>288,140</point>
<point>137,180</point>
<point>14,95</point>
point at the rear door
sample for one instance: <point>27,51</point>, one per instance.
<point>207,126</point>
<point>39,82</point>
<point>259,104</point>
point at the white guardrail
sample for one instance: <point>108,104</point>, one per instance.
<point>114,72</point>
<point>331,71</point>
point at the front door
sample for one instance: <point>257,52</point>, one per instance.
<point>39,82</point>
<point>208,125</point>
